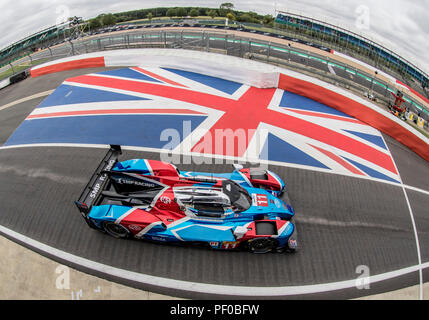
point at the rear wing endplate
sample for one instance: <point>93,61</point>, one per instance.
<point>98,181</point>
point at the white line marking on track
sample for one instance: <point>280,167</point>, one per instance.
<point>34,96</point>
<point>419,256</point>
<point>202,287</point>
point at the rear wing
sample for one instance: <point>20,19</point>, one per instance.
<point>98,181</point>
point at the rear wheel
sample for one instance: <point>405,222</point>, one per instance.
<point>116,230</point>
<point>262,245</point>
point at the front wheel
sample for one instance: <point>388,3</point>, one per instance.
<point>116,230</point>
<point>262,245</point>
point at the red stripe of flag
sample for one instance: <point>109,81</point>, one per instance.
<point>158,77</point>
<point>113,111</point>
<point>324,115</point>
<point>339,160</point>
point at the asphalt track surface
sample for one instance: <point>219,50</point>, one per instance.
<point>343,222</point>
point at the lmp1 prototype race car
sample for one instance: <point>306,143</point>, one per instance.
<point>153,200</point>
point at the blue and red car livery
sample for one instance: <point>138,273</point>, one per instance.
<point>153,200</point>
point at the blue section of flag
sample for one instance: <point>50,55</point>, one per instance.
<point>377,140</point>
<point>276,149</point>
<point>371,172</point>
<point>217,83</point>
<point>129,73</point>
<point>294,101</point>
<point>130,130</point>
<point>66,94</point>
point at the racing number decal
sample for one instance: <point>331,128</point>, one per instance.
<point>229,245</point>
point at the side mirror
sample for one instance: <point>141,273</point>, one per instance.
<point>238,167</point>
<point>240,232</point>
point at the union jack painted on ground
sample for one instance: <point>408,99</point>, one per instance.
<point>134,106</point>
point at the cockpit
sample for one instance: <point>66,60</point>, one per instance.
<point>214,202</point>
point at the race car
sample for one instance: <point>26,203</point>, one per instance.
<point>153,200</point>
<point>252,178</point>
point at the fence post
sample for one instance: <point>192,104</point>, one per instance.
<point>410,105</point>
<point>13,70</point>
<point>50,52</point>
<point>72,47</point>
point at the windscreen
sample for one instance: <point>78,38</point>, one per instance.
<point>239,197</point>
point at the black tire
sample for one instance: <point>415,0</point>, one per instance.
<point>261,245</point>
<point>116,230</point>
<point>289,250</point>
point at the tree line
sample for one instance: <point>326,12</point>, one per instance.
<point>225,10</point>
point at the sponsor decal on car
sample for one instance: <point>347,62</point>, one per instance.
<point>134,227</point>
<point>94,192</point>
<point>102,178</point>
<point>165,200</point>
<point>260,200</point>
<point>158,238</point>
<point>134,182</point>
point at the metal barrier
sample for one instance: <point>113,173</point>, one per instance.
<point>221,42</point>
